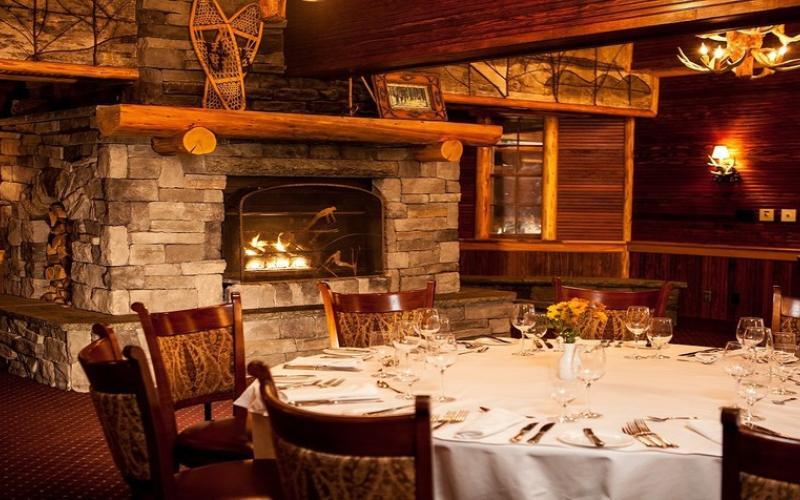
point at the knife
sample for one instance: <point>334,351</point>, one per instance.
<point>714,349</point>
<point>320,367</point>
<point>503,341</point>
<point>546,427</point>
<point>522,432</point>
<point>593,438</point>
<point>334,401</point>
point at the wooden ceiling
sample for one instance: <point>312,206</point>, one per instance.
<point>340,37</point>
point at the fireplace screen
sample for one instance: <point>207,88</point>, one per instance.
<point>303,231</point>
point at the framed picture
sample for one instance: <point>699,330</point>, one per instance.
<point>409,96</point>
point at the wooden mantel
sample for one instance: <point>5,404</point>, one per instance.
<point>167,121</point>
<point>63,72</point>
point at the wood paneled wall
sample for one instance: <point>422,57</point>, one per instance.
<point>676,199</point>
<point>500,263</point>
<point>466,208</point>
<point>591,178</point>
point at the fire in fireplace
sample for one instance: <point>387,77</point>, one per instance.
<point>280,229</point>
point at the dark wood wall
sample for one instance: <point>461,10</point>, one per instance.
<point>675,198</point>
<point>519,263</point>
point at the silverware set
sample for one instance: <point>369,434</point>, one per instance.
<point>664,419</point>
<point>450,417</point>
<point>475,349</point>
<point>332,382</point>
<point>639,429</point>
<point>519,436</point>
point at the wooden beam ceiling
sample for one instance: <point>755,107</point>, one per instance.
<point>340,37</point>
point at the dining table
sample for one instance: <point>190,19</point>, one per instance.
<point>496,379</point>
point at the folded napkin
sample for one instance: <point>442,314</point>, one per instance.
<point>251,399</point>
<point>486,424</point>
<point>321,362</point>
<point>709,429</point>
<point>352,391</point>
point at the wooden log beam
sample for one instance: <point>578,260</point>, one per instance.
<point>550,180</point>
<point>195,141</point>
<point>443,151</point>
<point>56,71</point>
<point>340,37</point>
<point>501,103</point>
<point>162,121</point>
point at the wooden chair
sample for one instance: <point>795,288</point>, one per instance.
<point>329,456</point>
<point>351,316</point>
<point>140,432</point>
<point>785,312</point>
<point>198,358</point>
<point>616,302</point>
<point>756,465</point>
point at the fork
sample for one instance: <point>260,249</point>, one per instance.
<point>450,417</point>
<point>630,430</point>
<point>643,427</point>
<point>664,419</point>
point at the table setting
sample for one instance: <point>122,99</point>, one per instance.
<point>623,421</point>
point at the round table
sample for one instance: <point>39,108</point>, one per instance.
<point>493,468</point>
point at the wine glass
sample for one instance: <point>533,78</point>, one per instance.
<point>442,353</point>
<point>406,370</point>
<point>735,363</point>
<point>783,359</point>
<point>563,391</point>
<point>753,388</point>
<point>751,337</point>
<point>523,317</point>
<point>746,322</point>
<point>538,330</point>
<point>381,344</point>
<point>428,321</point>
<point>637,321</point>
<point>589,366</point>
<point>659,334</point>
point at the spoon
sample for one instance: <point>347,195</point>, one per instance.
<point>383,385</point>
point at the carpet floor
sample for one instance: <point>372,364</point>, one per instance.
<point>51,445</point>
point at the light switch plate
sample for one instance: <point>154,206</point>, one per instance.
<point>788,215</point>
<point>766,214</point>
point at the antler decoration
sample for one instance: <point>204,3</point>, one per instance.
<point>742,50</point>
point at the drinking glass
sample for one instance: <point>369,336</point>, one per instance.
<point>381,344</point>
<point>538,330</point>
<point>746,322</point>
<point>637,321</point>
<point>735,363</point>
<point>563,391</point>
<point>406,370</point>
<point>783,360</point>
<point>523,316</point>
<point>753,388</point>
<point>659,334</point>
<point>428,322</point>
<point>589,366</point>
<point>442,354</point>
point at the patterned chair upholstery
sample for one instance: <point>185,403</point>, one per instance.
<point>348,457</point>
<point>351,317</point>
<point>785,312</point>
<point>140,433</point>
<point>757,466</point>
<point>198,358</point>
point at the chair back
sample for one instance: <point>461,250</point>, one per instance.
<point>198,354</point>
<point>330,456</point>
<point>352,316</point>
<point>125,400</point>
<point>616,303</point>
<point>757,465</point>
<point>785,312</point>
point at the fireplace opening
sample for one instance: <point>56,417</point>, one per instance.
<point>277,229</point>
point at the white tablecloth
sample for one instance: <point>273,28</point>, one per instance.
<point>494,469</point>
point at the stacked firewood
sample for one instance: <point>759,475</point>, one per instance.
<point>59,258</point>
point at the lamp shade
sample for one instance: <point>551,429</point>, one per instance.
<point>720,152</point>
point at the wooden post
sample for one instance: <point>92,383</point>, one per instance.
<point>627,210</point>
<point>484,159</point>
<point>195,141</point>
<point>443,151</point>
<point>550,179</point>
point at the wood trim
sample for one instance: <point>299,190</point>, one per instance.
<point>627,210</point>
<point>550,107</point>
<point>449,151</point>
<point>744,252</point>
<point>38,70</point>
<point>483,189</point>
<point>166,121</point>
<point>550,179</point>
<point>545,246</point>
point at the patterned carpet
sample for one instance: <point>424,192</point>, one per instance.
<point>51,445</point>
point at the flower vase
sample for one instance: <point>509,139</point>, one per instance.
<point>566,363</point>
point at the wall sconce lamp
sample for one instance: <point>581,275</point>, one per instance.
<point>724,164</point>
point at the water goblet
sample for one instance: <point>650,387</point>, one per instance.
<point>659,334</point>
<point>746,322</point>
<point>563,391</point>
<point>751,337</point>
<point>540,324</point>
<point>406,370</point>
<point>428,321</point>
<point>523,318</point>
<point>637,321</point>
<point>380,343</point>
<point>783,359</point>
<point>442,354</point>
<point>753,388</point>
<point>735,363</point>
<point>589,367</point>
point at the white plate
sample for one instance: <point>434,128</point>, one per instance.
<point>611,439</point>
